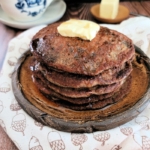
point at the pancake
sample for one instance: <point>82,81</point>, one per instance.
<point>107,50</point>
<point>77,93</point>
<point>65,79</point>
<point>80,74</point>
<point>125,89</point>
<point>56,96</point>
<point>84,100</point>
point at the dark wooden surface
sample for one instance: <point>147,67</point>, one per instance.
<point>74,10</point>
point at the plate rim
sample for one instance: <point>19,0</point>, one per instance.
<point>86,127</point>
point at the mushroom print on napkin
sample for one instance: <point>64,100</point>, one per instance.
<point>101,137</point>
<point>5,87</point>
<point>126,130</point>
<point>23,48</point>
<point>142,141</point>
<point>19,123</point>
<point>34,144</point>
<point>143,121</point>
<point>12,61</point>
<point>38,124</point>
<point>15,106</point>
<point>11,47</point>
<point>78,139</point>
<point>55,141</point>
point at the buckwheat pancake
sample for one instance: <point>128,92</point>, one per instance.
<point>125,89</point>
<point>81,92</point>
<point>65,79</point>
<point>107,50</point>
<point>83,100</point>
<point>52,95</point>
<point>72,71</point>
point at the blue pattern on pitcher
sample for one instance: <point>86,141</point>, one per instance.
<point>28,6</point>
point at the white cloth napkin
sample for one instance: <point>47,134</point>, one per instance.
<point>28,134</point>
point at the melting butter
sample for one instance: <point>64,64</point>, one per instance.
<point>83,29</point>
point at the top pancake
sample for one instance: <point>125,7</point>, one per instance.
<point>107,50</point>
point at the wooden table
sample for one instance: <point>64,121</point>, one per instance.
<point>74,10</point>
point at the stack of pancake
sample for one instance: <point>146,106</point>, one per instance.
<point>80,74</point>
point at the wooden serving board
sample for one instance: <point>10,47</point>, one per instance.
<point>55,116</point>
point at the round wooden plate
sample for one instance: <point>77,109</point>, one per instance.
<point>123,13</point>
<point>46,112</point>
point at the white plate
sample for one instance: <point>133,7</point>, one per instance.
<point>53,13</point>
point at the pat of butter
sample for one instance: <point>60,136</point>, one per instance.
<point>83,29</point>
<point>109,9</point>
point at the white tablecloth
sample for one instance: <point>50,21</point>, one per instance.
<point>28,134</point>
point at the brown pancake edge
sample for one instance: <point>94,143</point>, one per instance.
<point>75,92</point>
<point>79,56</point>
<point>65,119</point>
<point>59,98</point>
<point>65,79</point>
<point>124,90</point>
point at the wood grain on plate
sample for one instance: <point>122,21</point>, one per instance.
<point>60,118</point>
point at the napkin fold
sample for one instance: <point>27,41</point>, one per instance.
<point>28,134</point>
